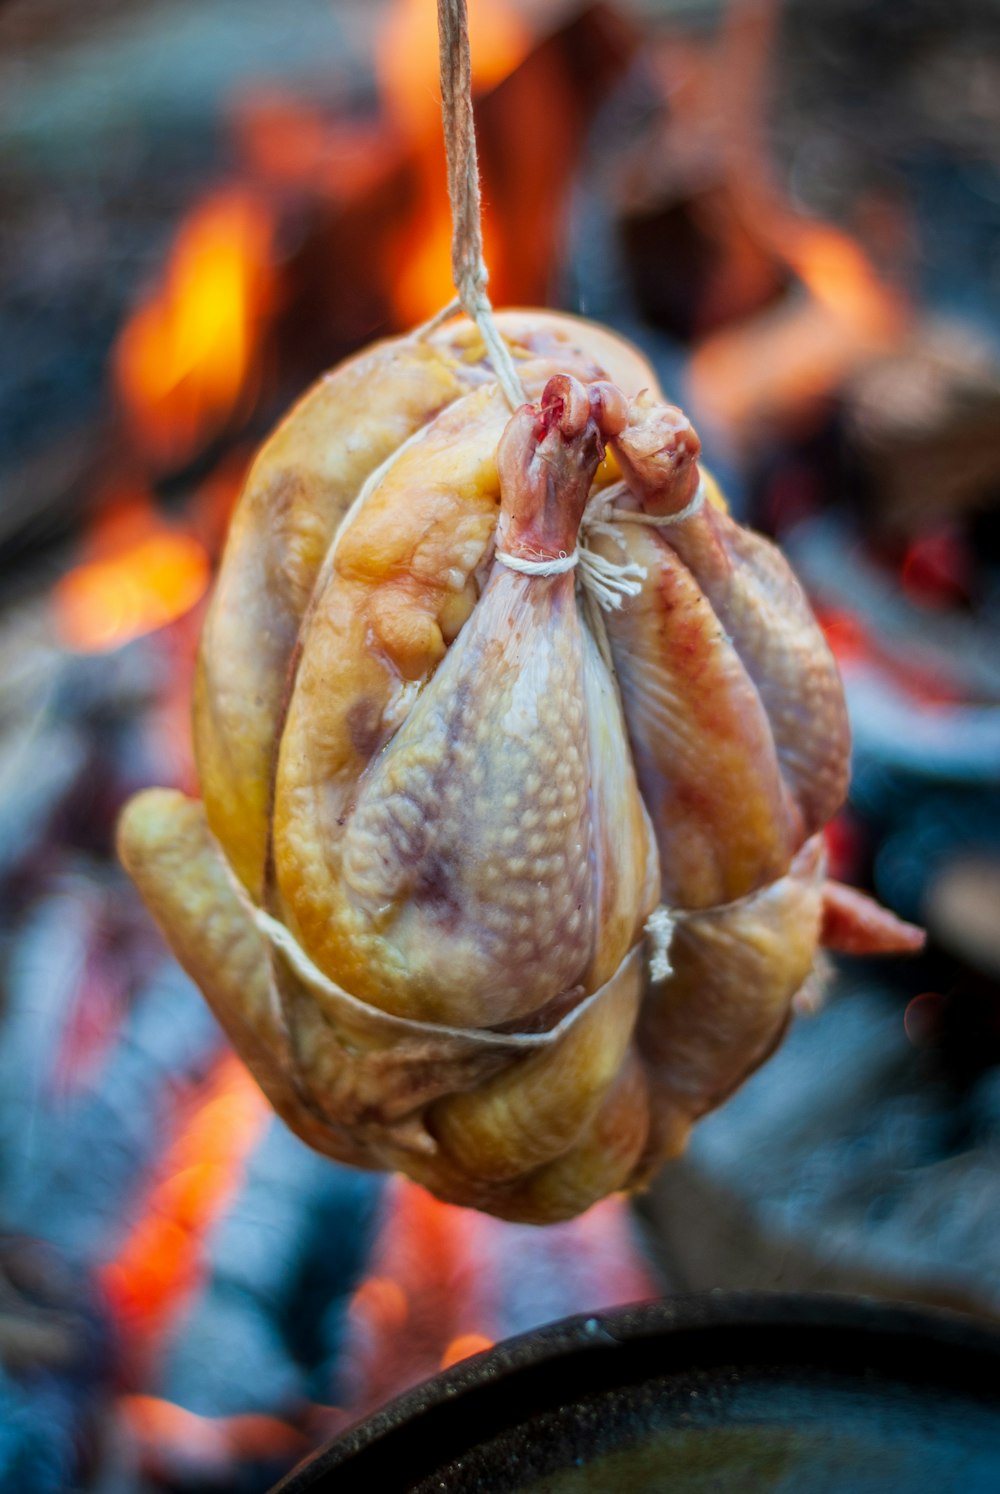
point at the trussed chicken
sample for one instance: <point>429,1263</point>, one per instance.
<point>444,795</point>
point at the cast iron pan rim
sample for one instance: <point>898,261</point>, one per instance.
<point>550,1366</point>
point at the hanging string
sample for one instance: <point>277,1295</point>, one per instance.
<point>610,581</point>
<point>606,583</point>
<point>468,268</point>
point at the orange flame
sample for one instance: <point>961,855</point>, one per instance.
<point>160,1261</point>
<point>801,349</point>
<point>104,603</point>
<point>840,276</point>
<point>407,70</point>
<point>462,1347</point>
<point>422,284</point>
<point>792,355</point>
<point>406,58</point>
<point>188,355</point>
<point>169,1436</point>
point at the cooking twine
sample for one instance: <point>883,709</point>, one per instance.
<point>607,582</point>
<point>468,267</point>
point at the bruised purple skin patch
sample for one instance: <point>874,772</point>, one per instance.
<point>435,888</point>
<point>364,724</point>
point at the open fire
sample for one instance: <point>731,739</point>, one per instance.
<point>406,64</point>
<point>158,1265</point>
<point>188,359</point>
<point>333,227</point>
<point>144,574</point>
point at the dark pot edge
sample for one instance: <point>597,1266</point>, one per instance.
<point>698,1315</point>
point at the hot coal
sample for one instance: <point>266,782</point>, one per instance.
<point>266,1331</point>
<point>57,1362</point>
<point>79,1161</point>
<point>860,1171</point>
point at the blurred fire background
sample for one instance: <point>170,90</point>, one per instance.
<point>794,207</point>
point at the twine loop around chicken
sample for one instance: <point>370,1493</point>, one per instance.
<point>658,931</point>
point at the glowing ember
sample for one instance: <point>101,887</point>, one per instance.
<point>462,1347</point>
<point>160,1262</point>
<point>188,356</point>
<point>936,568</point>
<point>106,602</point>
<point>171,1439</point>
<point>448,1282</point>
<point>381,1302</point>
<point>858,648</point>
<point>846,635</point>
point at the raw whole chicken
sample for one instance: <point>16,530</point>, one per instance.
<point>489,884</point>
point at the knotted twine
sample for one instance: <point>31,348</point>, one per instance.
<point>605,582</point>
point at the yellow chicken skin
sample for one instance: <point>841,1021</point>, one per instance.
<point>735,972</point>
<point>296,495</point>
<point>452,881</point>
<point>444,793</point>
<point>299,489</point>
<point>763,610</point>
<point>603,1159</point>
<point>729,808</point>
<point>167,848</point>
<point>701,740</point>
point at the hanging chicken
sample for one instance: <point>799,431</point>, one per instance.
<point>516,753</point>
